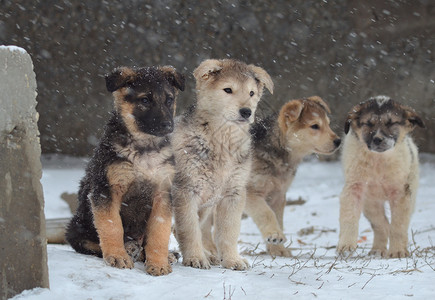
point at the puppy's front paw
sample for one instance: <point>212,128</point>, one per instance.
<point>158,270</point>
<point>378,252</point>
<point>276,238</point>
<point>211,254</point>
<point>196,262</point>
<point>237,263</point>
<point>119,261</point>
<point>345,250</point>
<point>213,259</point>
<point>173,257</point>
<point>134,250</point>
<point>278,250</point>
<point>397,253</point>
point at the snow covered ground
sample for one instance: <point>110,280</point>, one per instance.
<point>312,229</point>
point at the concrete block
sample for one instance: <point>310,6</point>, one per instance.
<point>23,248</point>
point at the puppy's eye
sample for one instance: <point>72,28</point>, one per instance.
<point>368,124</point>
<point>169,101</point>
<point>228,90</point>
<point>144,100</point>
<point>315,126</point>
<point>251,93</point>
<point>390,123</point>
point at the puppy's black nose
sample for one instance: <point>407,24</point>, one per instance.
<point>337,142</point>
<point>377,141</point>
<point>167,125</point>
<point>245,112</point>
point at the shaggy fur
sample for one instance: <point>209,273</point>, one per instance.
<point>280,143</point>
<point>213,158</point>
<point>124,196</point>
<point>380,162</point>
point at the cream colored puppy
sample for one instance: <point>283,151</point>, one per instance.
<point>212,150</point>
<point>380,163</point>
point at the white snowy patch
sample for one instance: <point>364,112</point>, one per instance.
<point>160,219</point>
<point>13,48</point>
<point>313,272</point>
<point>381,99</point>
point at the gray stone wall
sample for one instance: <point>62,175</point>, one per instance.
<point>343,51</point>
<point>23,249</point>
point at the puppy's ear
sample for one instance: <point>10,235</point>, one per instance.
<point>347,124</point>
<point>412,117</point>
<point>174,77</point>
<point>207,68</point>
<point>320,101</point>
<point>262,76</point>
<point>289,113</point>
<point>352,116</point>
<point>118,78</point>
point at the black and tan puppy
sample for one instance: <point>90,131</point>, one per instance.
<point>380,162</point>
<point>124,196</point>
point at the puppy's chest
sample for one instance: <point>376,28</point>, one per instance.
<point>381,171</point>
<point>220,150</point>
<point>155,165</point>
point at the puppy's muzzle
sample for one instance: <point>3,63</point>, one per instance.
<point>377,141</point>
<point>167,126</point>
<point>245,113</point>
<point>381,144</point>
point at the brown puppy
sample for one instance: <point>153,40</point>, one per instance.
<point>124,196</point>
<point>280,143</point>
<point>212,150</point>
<point>380,162</point>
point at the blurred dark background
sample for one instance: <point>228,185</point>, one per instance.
<point>343,51</point>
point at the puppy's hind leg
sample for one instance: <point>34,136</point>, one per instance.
<point>81,233</point>
<point>375,213</point>
<point>350,212</point>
